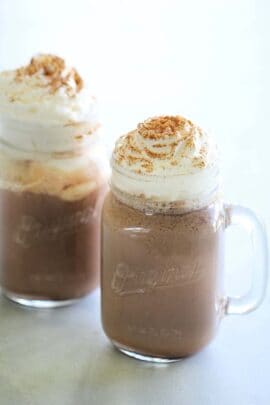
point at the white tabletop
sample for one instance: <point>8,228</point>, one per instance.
<point>61,357</point>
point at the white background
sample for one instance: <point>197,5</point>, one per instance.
<point>208,60</point>
<point>205,59</point>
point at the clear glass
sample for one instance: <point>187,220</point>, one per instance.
<point>50,211</point>
<point>162,277</point>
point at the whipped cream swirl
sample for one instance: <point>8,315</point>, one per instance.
<point>168,159</point>
<point>45,106</point>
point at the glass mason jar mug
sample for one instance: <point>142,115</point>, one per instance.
<point>162,273</point>
<point>50,201</point>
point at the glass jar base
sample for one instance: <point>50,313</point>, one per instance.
<point>144,357</point>
<point>36,303</point>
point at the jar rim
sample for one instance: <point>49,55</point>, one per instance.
<point>152,206</point>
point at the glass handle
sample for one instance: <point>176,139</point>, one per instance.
<point>246,219</point>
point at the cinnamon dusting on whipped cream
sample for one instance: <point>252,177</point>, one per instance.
<point>166,159</point>
<point>163,143</point>
<point>47,92</point>
<point>54,70</point>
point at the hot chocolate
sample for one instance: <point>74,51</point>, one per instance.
<point>162,241</point>
<point>52,184</point>
<point>50,248</point>
<point>161,290</point>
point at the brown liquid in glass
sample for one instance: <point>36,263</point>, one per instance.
<point>50,248</point>
<point>161,294</point>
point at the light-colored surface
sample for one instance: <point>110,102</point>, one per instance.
<point>61,357</point>
<point>208,60</point>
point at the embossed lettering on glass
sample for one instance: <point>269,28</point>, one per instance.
<point>163,230</point>
<point>52,184</point>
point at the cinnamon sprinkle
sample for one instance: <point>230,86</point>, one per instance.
<point>157,127</point>
<point>55,71</point>
<point>175,136</point>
